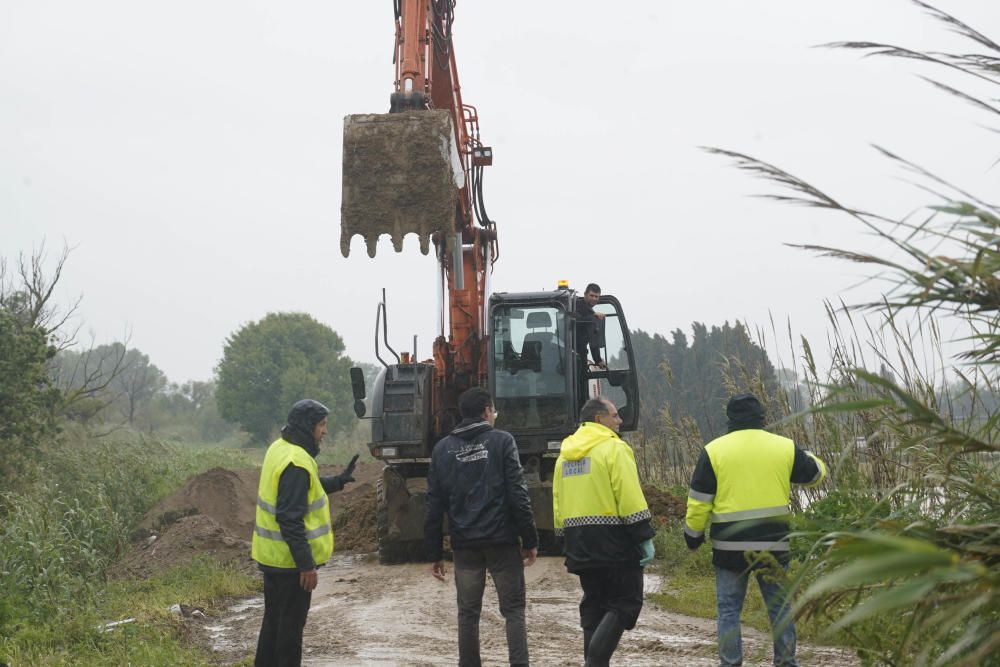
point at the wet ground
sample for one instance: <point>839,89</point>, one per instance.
<point>364,613</point>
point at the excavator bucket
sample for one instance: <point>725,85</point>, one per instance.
<point>402,175</point>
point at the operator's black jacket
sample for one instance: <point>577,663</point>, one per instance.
<point>475,476</point>
<point>587,333</point>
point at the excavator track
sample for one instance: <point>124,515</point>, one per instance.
<point>398,527</point>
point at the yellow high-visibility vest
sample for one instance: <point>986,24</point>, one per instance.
<point>753,478</point>
<point>268,546</point>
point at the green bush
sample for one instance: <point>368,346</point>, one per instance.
<point>60,535</point>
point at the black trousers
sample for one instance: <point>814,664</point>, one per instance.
<point>507,569</point>
<point>286,606</point>
<point>617,589</point>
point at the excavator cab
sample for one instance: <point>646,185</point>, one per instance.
<point>540,375</point>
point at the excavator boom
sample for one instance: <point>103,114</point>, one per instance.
<point>419,170</point>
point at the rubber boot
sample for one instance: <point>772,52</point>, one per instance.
<point>588,634</point>
<point>605,640</point>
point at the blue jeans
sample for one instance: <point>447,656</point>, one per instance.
<point>730,592</point>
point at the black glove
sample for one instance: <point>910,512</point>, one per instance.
<point>348,474</point>
<point>694,542</point>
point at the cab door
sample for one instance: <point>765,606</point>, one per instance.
<point>619,383</point>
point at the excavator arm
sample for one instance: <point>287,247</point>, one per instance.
<point>419,169</point>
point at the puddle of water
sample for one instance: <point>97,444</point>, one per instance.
<point>219,635</point>
<point>247,605</point>
<point>651,583</point>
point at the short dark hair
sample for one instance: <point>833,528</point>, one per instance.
<point>592,408</point>
<point>593,287</point>
<point>473,402</point>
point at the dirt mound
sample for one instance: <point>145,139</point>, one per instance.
<point>227,496</point>
<point>183,540</point>
<point>353,518</point>
<point>663,505</point>
<point>213,515</point>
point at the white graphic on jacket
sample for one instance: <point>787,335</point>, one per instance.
<point>474,451</point>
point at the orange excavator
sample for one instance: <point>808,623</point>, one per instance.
<point>419,169</point>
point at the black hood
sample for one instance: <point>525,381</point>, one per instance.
<point>302,419</point>
<point>744,411</point>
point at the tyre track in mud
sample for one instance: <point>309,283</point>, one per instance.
<point>364,613</point>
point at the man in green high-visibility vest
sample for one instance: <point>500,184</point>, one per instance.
<point>293,536</point>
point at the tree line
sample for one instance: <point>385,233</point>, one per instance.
<point>48,376</point>
<point>50,381</point>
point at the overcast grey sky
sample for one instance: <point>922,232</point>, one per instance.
<point>189,153</point>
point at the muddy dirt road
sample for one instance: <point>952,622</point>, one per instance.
<point>364,613</point>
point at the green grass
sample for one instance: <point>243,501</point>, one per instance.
<point>689,580</point>
<point>689,588</point>
<point>62,532</point>
<point>158,637</point>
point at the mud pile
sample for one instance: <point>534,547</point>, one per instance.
<point>353,518</point>
<point>663,505</point>
<point>185,539</point>
<point>227,496</point>
<point>213,515</point>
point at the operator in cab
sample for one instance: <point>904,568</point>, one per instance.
<point>587,323</point>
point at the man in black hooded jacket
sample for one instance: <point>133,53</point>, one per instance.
<point>288,587</point>
<point>475,476</point>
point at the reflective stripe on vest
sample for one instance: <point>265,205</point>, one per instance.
<point>276,534</point>
<point>271,509</point>
<point>759,513</point>
<point>727,545</point>
<point>703,497</point>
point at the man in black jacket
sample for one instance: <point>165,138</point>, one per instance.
<point>588,338</point>
<point>286,559</point>
<point>587,325</point>
<point>475,476</point>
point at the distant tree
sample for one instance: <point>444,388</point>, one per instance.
<point>26,397</point>
<point>695,378</point>
<point>29,328</point>
<point>84,378</point>
<point>109,385</point>
<point>189,411</point>
<point>270,364</point>
<point>137,384</point>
